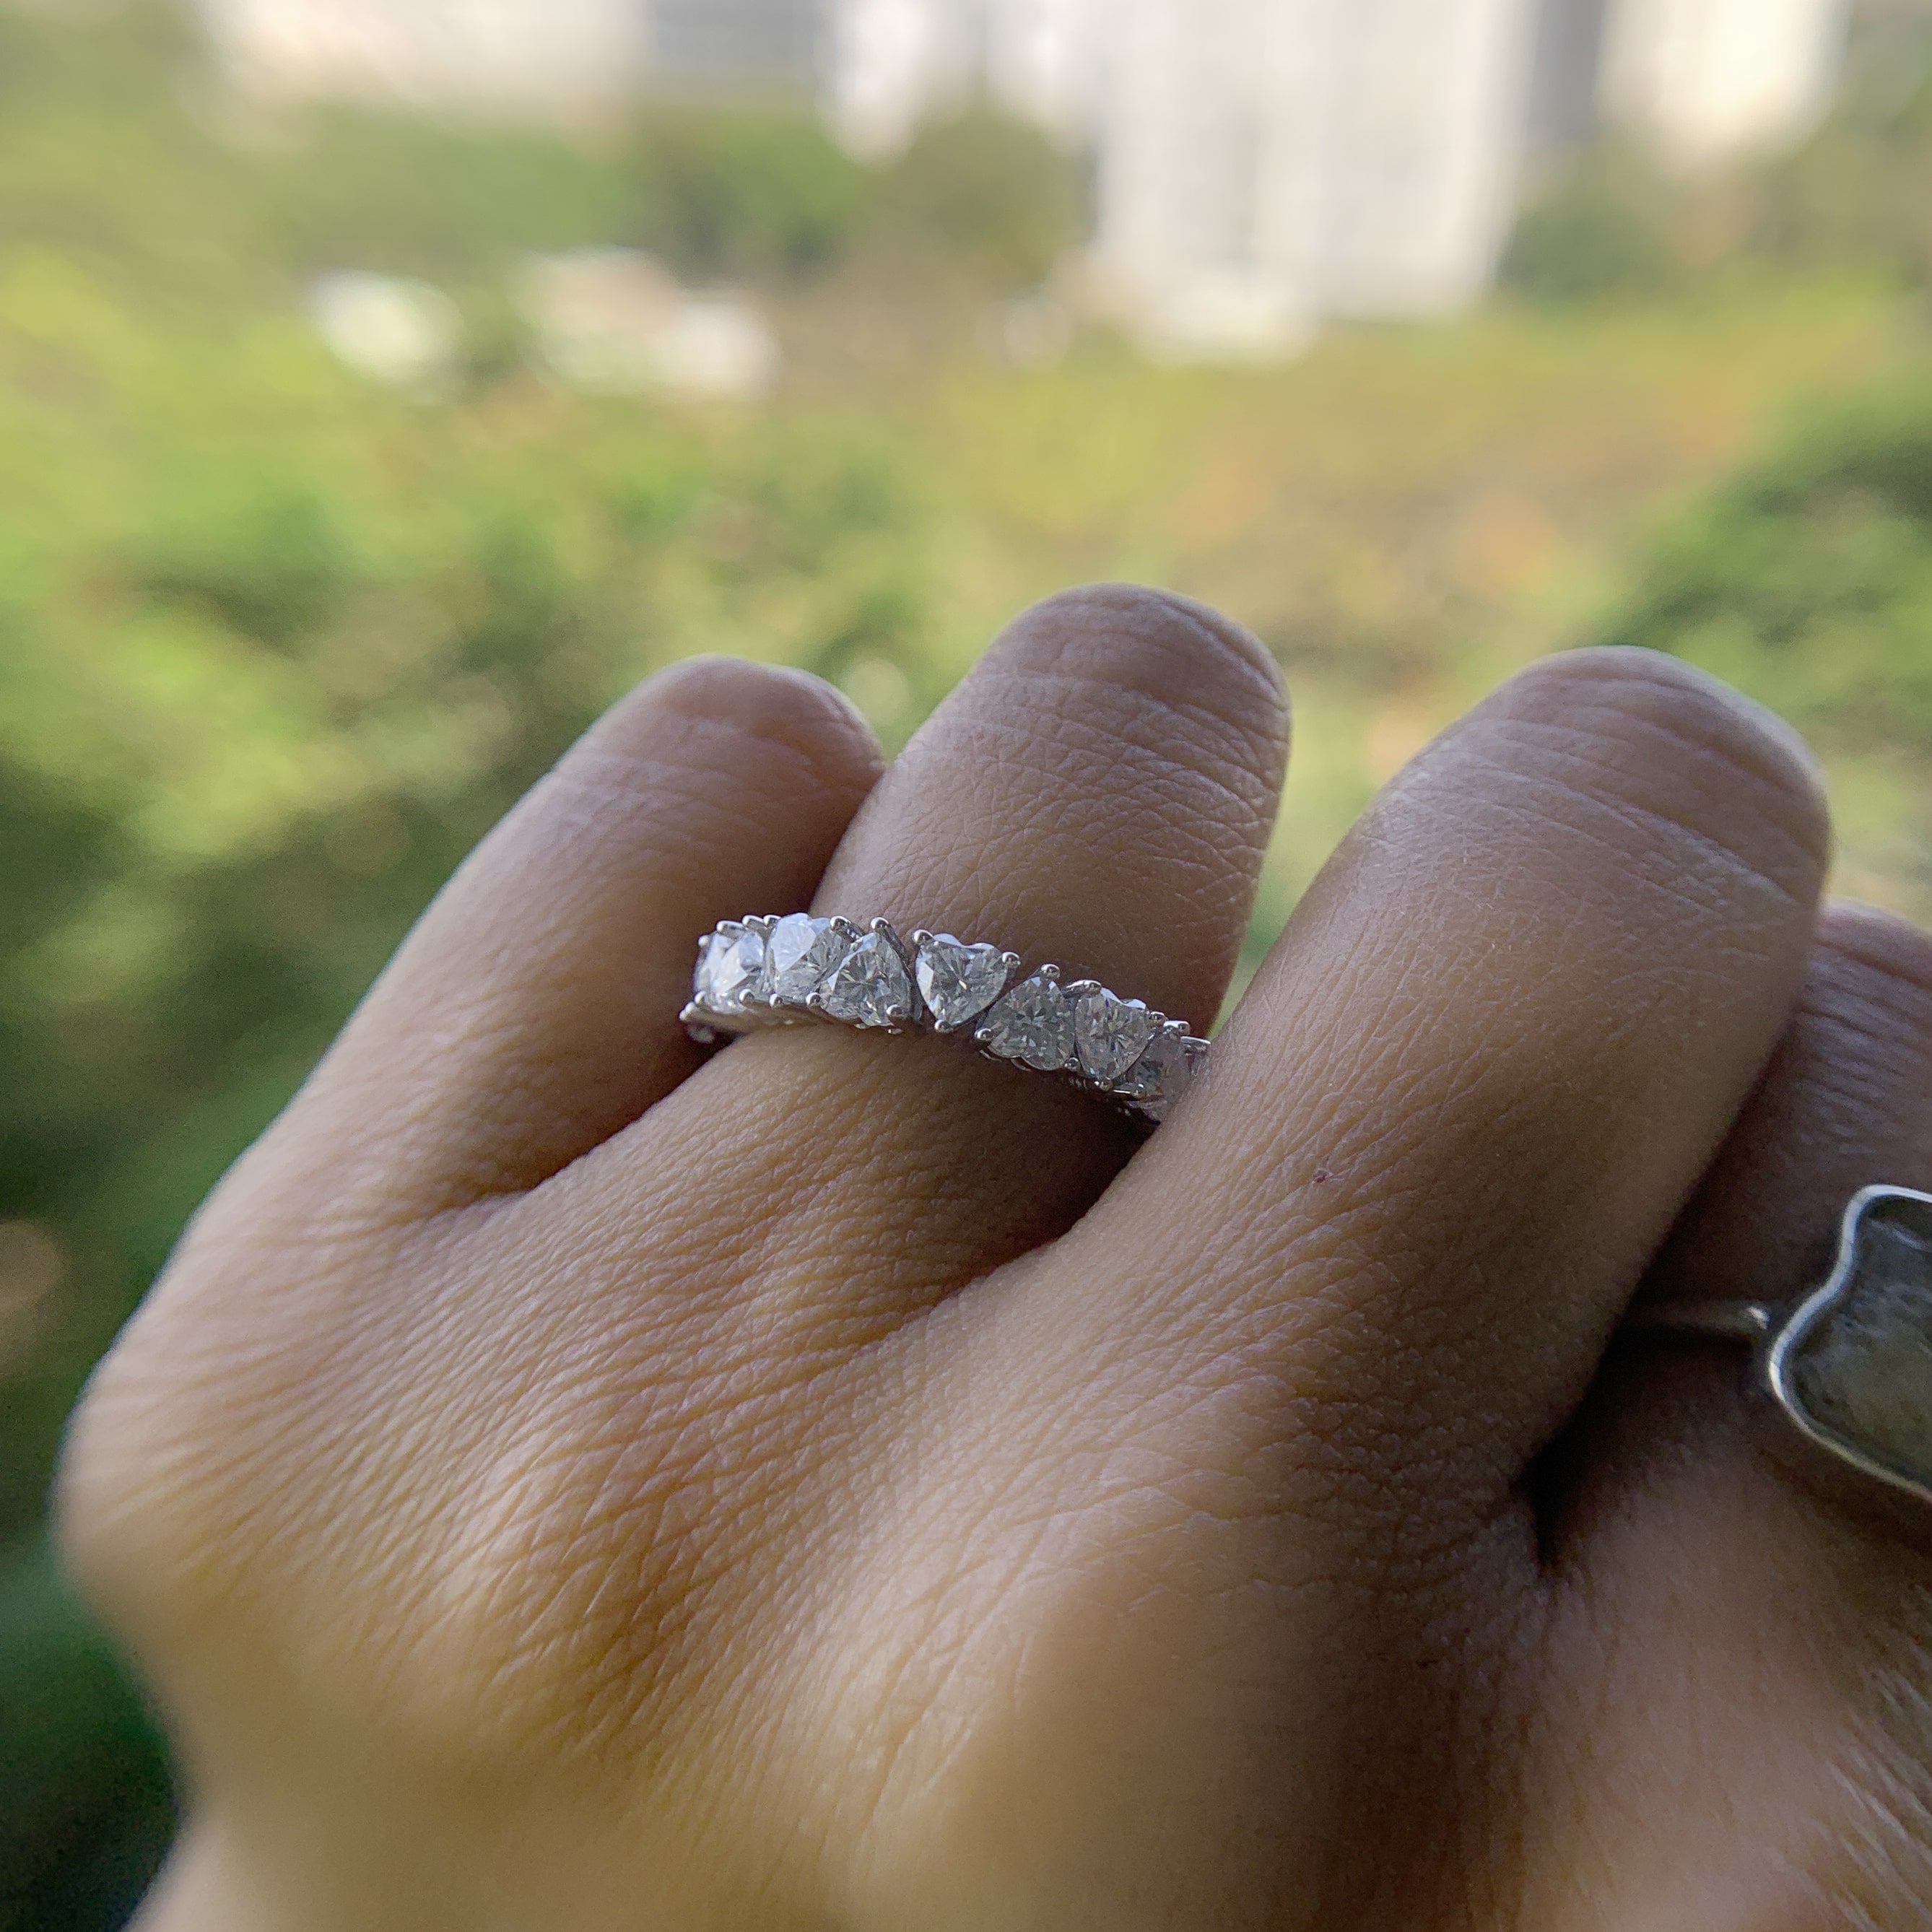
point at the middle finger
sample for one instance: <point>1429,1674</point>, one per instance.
<point>1462,1103</point>
<point>1099,794</point>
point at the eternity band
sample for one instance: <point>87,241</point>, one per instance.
<point>767,971</point>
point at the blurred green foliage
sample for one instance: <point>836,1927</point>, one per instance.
<point>1601,232</point>
<point>275,648</point>
<point>85,1807</point>
<point>117,148</point>
<point>277,645</point>
<point>1861,192</point>
<point>991,193</point>
<point>1807,579</point>
<point>1609,224</point>
<point>101,158</point>
<point>727,192</point>
<point>453,202</point>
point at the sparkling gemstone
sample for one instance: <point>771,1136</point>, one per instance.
<point>1142,1080</point>
<point>958,983</point>
<point>1110,1033</point>
<point>1164,1072</point>
<point>798,955</point>
<point>1033,1024</point>
<point>870,987</point>
<point>729,970</point>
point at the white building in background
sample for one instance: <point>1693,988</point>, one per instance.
<point>1708,80</point>
<point>1424,163</point>
<point>1265,164</point>
<point>1046,61</point>
<point>735,46</point>
<point>1261,165</point>
<point>550,56</point>
<point>1210,140</point>
<point>1561,113</point>
<point>894,64</point>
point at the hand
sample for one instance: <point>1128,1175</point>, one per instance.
<point>562,1482</point>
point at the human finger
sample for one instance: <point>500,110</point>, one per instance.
<point>1462,1104</point>
<point>1794,1628</point>
<point>1097,793</point>
<point>532,1012</point>
<point>1845,1102</point>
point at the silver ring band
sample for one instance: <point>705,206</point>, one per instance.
<point>1713,1321</point>
<point>767,971</point>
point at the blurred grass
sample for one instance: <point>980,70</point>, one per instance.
<point>85,1807</point>
<point>276,647</point>
<point>1405,516</point>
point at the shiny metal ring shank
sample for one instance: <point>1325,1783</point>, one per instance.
<point>766,971</point>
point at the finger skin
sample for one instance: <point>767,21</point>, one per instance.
<point>533,1011</point>
<point>570,1481</point>
<point>1099,793</point>
<point>1797,1635</point>
<point>1846,1102</point>
<point>795,1196</point>
<point>1465,1098</point>
<point>1312,1338</point>
<point>594,1554</point>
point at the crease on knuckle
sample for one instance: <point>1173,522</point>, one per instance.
<point>1887,958</point>
<point>1182,730</point>
<point>1691,801</point>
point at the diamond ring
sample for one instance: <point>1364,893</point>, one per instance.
<point>762,972</point>
<point>1849,1367</point>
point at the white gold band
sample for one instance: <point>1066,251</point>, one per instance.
<point>762,972</point>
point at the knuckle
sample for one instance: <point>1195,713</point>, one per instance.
<point>1887,957</point>
<point>201,1426</point>
<point>1644,698</point>
<point>1672,749</point>
<point>362,1474</point>
<point>1208,682</point>
<point>791,712</point>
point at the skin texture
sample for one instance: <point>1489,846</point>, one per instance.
<point>842,1485</point>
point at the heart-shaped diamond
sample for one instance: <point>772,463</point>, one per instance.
<point>1033,1024</point>
<point>1112,1034</point>
<point>1158,1079</point>
<point>798,954</point>
<point>729,970</point>
<point>870,987</point>
<point>957,982</point>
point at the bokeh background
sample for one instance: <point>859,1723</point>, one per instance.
<point>384,387</point>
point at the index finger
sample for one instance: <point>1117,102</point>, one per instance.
<point>1462,1104</point>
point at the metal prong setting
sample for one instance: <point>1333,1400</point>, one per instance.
<point>1145,1060</point>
